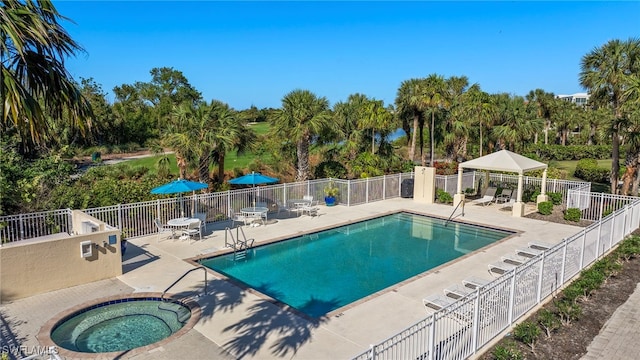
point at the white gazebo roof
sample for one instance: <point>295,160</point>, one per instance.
<point>504,160</point>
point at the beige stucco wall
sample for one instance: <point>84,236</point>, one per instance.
<point>424,184</point>
<point>44,264</point>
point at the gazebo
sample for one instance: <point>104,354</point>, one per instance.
<point>507,161</point>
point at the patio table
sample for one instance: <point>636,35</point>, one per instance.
<point>256,212</point>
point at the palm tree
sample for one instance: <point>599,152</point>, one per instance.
<point>34,83</point>
<point>230,133</point>
<point>408,105</point>
<point>479,108</point>
<point>516,122</point>
<point>606,73</point>
<point>303,116</point>
<point>433,98</point>
<point>544,102</point>
<point>457,130</point>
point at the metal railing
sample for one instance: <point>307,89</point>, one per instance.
<point>136,219</point>
<point>459,330</point>
<point>32,225</point>
<point>595,206</point>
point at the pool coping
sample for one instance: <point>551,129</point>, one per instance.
<point>44,335</point>
<point>339,311</point>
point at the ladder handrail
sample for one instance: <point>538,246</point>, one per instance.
<point>183,275</point>
<point>454,211</point>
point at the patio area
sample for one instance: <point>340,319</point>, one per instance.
<point>239,323</point>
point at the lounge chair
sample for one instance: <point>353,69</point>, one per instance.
<point>308,198</point>
<point>504,196</point>
<point>501,267</point>
<point>529,252</point>
<point>437,301</point>
<point>474,282</point>
<point>515,259</point>
<point>508,204</point>
<point>458,291</point>
<point>488,198</point>
<point>163,229</point>
<point>540,245</point>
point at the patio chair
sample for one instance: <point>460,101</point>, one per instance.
<point>237,217</point>
<point>203,220</point>
<point>311,209</point>
<point>488,197</point>
<point>283,207</point>
<point>193,229</point>
<point>308,198</point>
<point>163,229</point>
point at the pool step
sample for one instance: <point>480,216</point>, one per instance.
<point>240,254</point>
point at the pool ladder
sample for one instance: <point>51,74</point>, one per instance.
<point>454,211</point>
<point>239,246</point>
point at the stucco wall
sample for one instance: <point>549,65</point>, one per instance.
<point>44,264</point>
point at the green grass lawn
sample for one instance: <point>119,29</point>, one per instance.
<point>231,161</point>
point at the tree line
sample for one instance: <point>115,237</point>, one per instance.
<point>47,113</point>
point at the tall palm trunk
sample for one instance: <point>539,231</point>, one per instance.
<point>221,156</point>
<point>302,151</point>
<point>433,147</point>
<point>203,167</point>
<point>414,138</point>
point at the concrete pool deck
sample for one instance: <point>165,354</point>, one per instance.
<point>238,323</point>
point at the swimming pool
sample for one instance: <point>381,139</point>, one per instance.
<point>321,272</point>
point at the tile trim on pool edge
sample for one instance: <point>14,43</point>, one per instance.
<point>195,261</point>
<point>44,335</point>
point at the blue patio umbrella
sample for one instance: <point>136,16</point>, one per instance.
<point>180,186</point>
<point>253,179</point>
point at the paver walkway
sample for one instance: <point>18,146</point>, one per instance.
<point>618,339</point>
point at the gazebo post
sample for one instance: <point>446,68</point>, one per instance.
<point>518,207</point>
<point>459,196</point>
<point>543,189</point>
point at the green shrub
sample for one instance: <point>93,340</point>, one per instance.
<point>527,332</point>
<point>572,214</point>
<point>629,248</point>
<point>444,197</point>
<point>568,311</point>
<point>548,321</point>
<point>508,351</point>
<point>588,170</point>
<point>555,197</point>
<point>545,208</point>
<point>571,152</point>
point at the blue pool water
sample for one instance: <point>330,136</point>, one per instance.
<point>324,271</point>
<point>120,325</point>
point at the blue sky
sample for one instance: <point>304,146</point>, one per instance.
<point>254,53</point>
